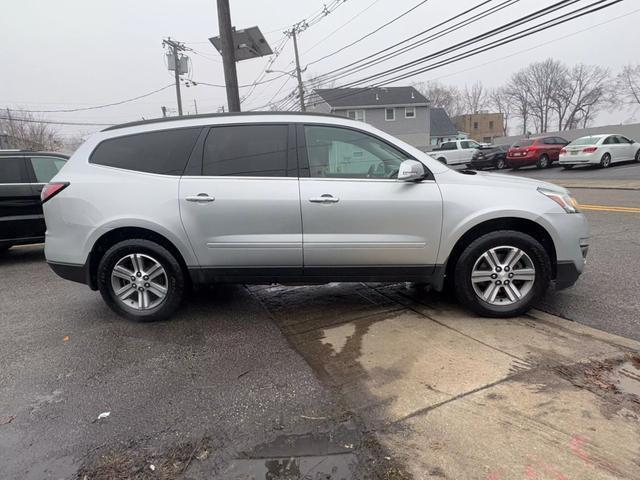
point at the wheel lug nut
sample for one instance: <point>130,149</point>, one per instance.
<point>494,275</point>
<point>147,285</point>
<point>498,282</point>
<point>498,269</point>
<point>146,277</point>
<point>511,275</point>
<point>133,279</point>
<point>506,269</point>
<point>506,282</point>
<point>141,289</point>
<point>138,274</point>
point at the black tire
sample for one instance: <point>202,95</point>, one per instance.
<point>638,156</point>
<point>464,266</point>
<point>500,164</point>
<point>543,162</point>
<point>605,161</point>
<point>567,167</point>
<point>515,168</point>
<point>442,160</point>
<point>175,279</point>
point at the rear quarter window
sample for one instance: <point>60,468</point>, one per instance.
<point>12,170</point>
<point>165,152</point>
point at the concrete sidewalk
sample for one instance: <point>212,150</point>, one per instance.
<point>598,184</point>
<point>450,395</point>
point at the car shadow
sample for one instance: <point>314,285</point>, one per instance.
<point>22,254</point>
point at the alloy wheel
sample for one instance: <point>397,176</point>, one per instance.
<point>139,281</point>
<point>503,275</point>
<point>606,160</point>
<point>500,164</point>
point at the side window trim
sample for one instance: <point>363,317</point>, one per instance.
<point>303,159</point>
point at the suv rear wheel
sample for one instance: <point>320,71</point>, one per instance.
<point>141,280</point>
<point>502,274</point>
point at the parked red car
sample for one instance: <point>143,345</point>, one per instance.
<point>540,151</point>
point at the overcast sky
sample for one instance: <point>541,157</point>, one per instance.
<point>74,53</point>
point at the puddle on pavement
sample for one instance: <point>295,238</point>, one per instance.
<point>626,377</point>
<point>300,457</point>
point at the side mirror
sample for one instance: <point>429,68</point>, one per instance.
<point>411,171</point>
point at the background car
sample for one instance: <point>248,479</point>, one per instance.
<point>23,174</point>
<point>540,151</point>
<point>458,152</point>
<point>600,150</point>
<point>492,156</point>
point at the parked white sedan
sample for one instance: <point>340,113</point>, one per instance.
<point>600,150</point>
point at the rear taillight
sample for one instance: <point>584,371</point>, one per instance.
<point>563,150</point>
<point>533,148</point>
<point>50,190</point>
<point>589,149</point>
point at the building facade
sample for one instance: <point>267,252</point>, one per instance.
<point>442,128</point>
<point>400,111</point>
<point>482,127</point>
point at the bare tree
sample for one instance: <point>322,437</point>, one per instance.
<point>500,101</point>
<point>583,91</point>
<point>517,92</point>
<point>25,131</point>
<point>473,99</point>
<point>628,84</point>
<point>441,96</point>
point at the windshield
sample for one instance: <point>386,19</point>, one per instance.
<point>586,141</point>
<point>522,143</point>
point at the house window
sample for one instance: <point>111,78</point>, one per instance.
<point>356,115</point>
<point>389,114</point>
<point>491,125</point>
<point>475,125</point>
<point>409,112</point>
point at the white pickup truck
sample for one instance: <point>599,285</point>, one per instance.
<point>455,153</point>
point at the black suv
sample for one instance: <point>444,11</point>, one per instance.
<point>22,176</point>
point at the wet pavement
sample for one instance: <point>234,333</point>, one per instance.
<point>340,381</point>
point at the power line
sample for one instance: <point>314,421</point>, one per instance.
<point>370,33</point>
<point>51,122</point>
<point>497,43</point>
<point>95,107</point>
<point>362,63</point>
<point>342,26</point>
<point>478,38</point>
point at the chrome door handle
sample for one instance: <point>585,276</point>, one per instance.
<point>199,198</point>
<point>326,198</point>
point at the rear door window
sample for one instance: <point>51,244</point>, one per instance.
<point>165,152</point>
<point>12,170</point>
<point>246,151</point>
<point>45,168</point>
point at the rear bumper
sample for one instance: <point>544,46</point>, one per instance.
<point>75,273</point>
<point>521,161</point>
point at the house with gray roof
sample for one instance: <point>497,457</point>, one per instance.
<point>400,111</point>
<point>442,128</point>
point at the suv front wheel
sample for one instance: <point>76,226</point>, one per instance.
<point>141,280</point>
<point>502,274</point>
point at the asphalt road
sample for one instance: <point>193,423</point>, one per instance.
<point>217,380</point>
<point>218,388</point>
<point>617,171</point>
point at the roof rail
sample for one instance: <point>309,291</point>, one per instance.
<point>209,115</point>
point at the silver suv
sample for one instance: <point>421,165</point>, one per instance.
<point>144,210</point>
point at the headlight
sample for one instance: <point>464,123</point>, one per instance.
<point>566,201</point>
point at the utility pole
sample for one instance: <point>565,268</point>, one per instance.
<point>175,48</point>
<point>164,111</point>
<point>195,105</point>
<point>228,55</point>
<point>298,71</point>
